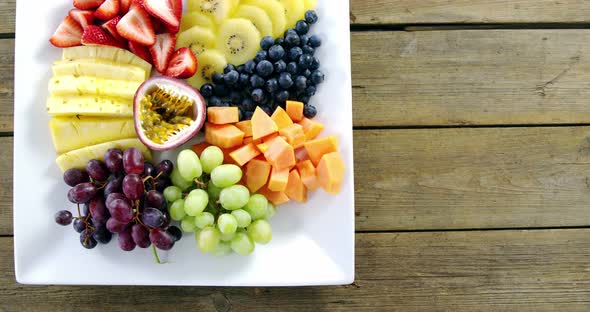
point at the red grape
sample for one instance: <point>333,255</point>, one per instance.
<point>97,170</point>
<point>82,193</point>
<point>125,240</point>
<point>87,240</point>
<point>115,226</point>
<point>113,186</point>
<point>155,199</point>
<point>153,218</point>
<point>140,236</point>
<point>161,239</point>
<point>63,217</point>
<point>102,235</point>
<point>121,210</point>
<point>74,176</point>
<point>148,169</point>
<point>113,159</point>
<point>175,232</point>
<point>98,210</point>
<point>165,167</point>
<point>133,186</point>
<point>79,225</point>
<point>111,197</point>
<point>133,161</point>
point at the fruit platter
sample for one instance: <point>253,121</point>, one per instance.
<point>196,142</point>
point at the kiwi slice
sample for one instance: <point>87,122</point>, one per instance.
<point>196,38</point>
<point>219,10</point>
<point>294,11</point>
<point>309,5</point>
<point>239,40</point>
<point>257,16</point>
<point>275,10</point>
<point>210,62</point>
<point>191,19</point>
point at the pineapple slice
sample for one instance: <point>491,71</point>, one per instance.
<point>100,69</point>
<point>113,54</point>
<point>72,105</point>
<point>78,158</point>
<point>70,133</point>
<point>71,85</point>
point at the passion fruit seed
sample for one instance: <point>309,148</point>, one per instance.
<point>164,113</point>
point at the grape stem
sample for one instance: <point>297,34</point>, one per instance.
<point>156,255</point>
<point>200,184</point>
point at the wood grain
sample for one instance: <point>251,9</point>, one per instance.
<point>439,271</point>
<point>7,16</point>
<point>6,84</point>
<point>380,12</point>
<point>471,77</point>
<point>6,149</point>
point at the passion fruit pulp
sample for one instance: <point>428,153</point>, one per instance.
<point>167,112</point>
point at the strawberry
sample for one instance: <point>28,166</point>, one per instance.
<point>94,35</point>
<point>124,6</point>
<point>109,9</point>
<point>182,65</point>
<point>111,27</point>
<point>82,17</point>
<point>161,51</point>
<point>159,27</point>
<point>67,34</point>
<point>137,26</point>
<point>164,11</point>
<point>139,50</point>
<point>87,4</point>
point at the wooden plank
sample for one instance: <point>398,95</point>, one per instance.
<point>380,12</point>
<point>440,271</point>
<point>7,16</point>
<point>471,77</point>
<point>6,84</point>
<point>6,159</point>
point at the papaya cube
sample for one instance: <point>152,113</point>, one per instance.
<point>199,148</point>
<point>278,179</point>
<point>262,124</point>
<point>294,135</point>
<point>244,154</point>
<point>281,118</point>
<point>330,172</point>
<point>295,110</point>
<point>245,126</point>
<point>295,188</point>
<point>311,128</point>
<point>247,140</point>
<point>319,147</point>
<point>277,198</point>
<point>266,141</point>
<point>308,175</point>
<point>301,154</point>
<point>280,154</point>
<point>257,172</point>
<point>223,136</point>
<point>226,158</point>
<point>223,115</point>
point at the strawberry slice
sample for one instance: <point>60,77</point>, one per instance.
<point>177,8</point>
<point>82,17</point>
<point>94,35</point>
<point>164,11</point>
<point>124,6</point>
<point>67,34</point>
<point>141,51</point>
<point>161,51</point>
<point>111,27</point>
<point>182,65</point>
<point>109,9</point>
<point>137,26</point>
<point>87,4</point>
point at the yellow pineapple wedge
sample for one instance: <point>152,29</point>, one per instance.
<point>78,158</point>
<point>88,105</point>
<point>100,69</point>
<point>83,85</point>
<point>107,53</point>
<point>70,133</point>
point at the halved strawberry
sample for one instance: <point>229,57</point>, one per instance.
<point>82,17</point>
<point>111,27</point>
<point>67,34</point>
<point>109,9</point>
<point>164,11</point>
<point>182,65</point>
<point>87,4</point>
<point>94,35</point>
<point>161,51</point>
<point>139,50</point>
<point>124,6</point>
<point>159,27</point>
<point>137,26</point>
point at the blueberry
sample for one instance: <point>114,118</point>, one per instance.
<point>256,81</point>
<point>311,17</point>
<point>250,66</point>
<point>304,98</point>
<point>280,66</point>
<point>292,68</point>
<point>231,78</point>
<point>235,97</point>
<point>292,40</point>
<point>279,41</point>
<point>221,90</point>
<point>317,77</point>
<point>264,68</point>
<point>276,52</point>
<point>228,68</point>
<point>315,63</point>
<point>248,105</point>
<point>290,31</point>
<point>285,80</point>
<point>302,27</point>
<point>308,50</point>
<point>218,78</point>
<point>214,101</point>
<point>310,91</point>
<point>207,90</point>
<point>283,96</point>
<point>258,95</point>
<point>248,115</point>
<point>271,85</point>
<point>306,73</point>
<point>224,104</point>
<point>244,80</point>
<point>305,61</point>
<point>303,39</point>
<point>309,111</point>
<point>300,83</point>
<point>295,53</point>
<point>266,42</point>
<point>315,41</point>
<point>240,69</point>
<point>267,109</point>
<point>260,56</point>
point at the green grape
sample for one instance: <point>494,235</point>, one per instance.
<point>222,249</point>
<point>208,239</point>
<point>226,175</point>
<point>177,210</point>
<point>213,191</point>
<point>178,180</point>
<point>234,197</point>
<point>242,244</point>
<point>227,237</point>
<point>204,219</point>
<point>172,193</point>
<point>188,224</point>
<point>195,202</point>
<point>260,231</point>
<point>227,223</point>
<point>211,157</point>
<point>189,165</point>
<point>257,206</point>
<point>270,211</point>
<point>243,217</point>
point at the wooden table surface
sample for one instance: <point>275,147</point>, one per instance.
<point>472,155</point>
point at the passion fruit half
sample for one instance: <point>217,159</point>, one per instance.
<point>167,112</point>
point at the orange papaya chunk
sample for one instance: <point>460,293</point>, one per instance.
<point>330,172</point>
<point>247,140</point>
<point>245,126</point>
<point>266,141</point>
<point>257,172</point>
<point>319,147</point>
<point>262,124</point>
<point>244,154</point>
<point>199,148</point>
<point>308,175</point>
<point>223,136</point>
<point>295,110</point>
<point>277,198</point>
<point>301,154</point>
<point>311,128</point>
<point>223,115</point>
<point>281,118</point>
<point>295,188</point>
<point>280,154</point>
<point>278,179</point>
<point>294,135</point>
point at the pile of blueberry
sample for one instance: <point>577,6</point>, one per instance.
<point>285,69</point>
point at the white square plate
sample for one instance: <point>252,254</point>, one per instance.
<point>313,243</point>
